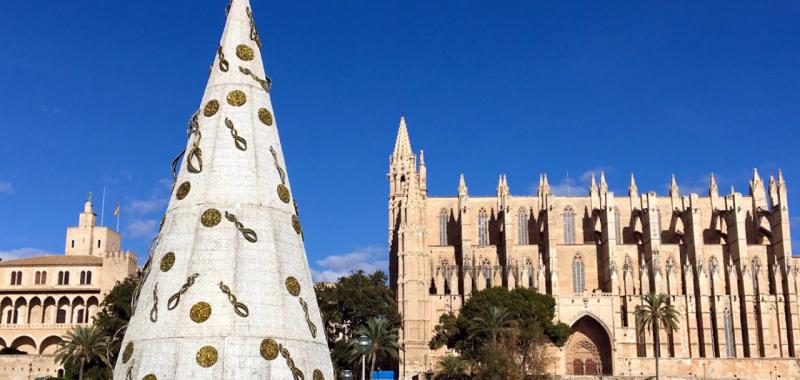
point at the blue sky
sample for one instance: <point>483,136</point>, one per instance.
<point>97,93</point>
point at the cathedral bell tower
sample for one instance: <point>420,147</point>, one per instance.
<point>410,278</point>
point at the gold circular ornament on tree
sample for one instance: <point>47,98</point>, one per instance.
<point>183,190</point>
<point>167,261</point>
<point>200,312</point>
<point>293,286</point>
<point>237,98</point>
<point>265,116</point>
<point>318,375</point>
<point>283,193</point>
<point>211,217</point>
<point>244,52</point>
<point>296,224</point>
<point>149,377</point>
<point>211,108</point>
<point>126,355</point>
<point>269,349</point>
<point>206,356</point>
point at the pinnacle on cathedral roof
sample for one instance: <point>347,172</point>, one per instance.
<point>632,189</point>
<point>603,184</point>
<point>227,292</point>
<point>674,191</point>
<point>712,186</point>
<point>462,184</point>
<point>402,145</point>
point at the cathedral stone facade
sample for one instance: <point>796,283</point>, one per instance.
<point>724,260</point>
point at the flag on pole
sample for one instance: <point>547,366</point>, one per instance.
<point>116,210</point>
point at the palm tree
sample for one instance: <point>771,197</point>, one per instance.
<point>80,345</point>
<point>451,367</point>
<point>384,341</point>
<point>493,322</point>
<point>654,312</point>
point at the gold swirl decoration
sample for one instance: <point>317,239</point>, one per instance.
<point>154,309</point>
<point>127,353</point>
<point>195,154</point>
<point>253,32</point>
<point>248,234</point>
<point>176,298</point>
<point>244,52</point>
<point>211,108</point>
<point>265,116</point>
<point>223,63</point>
<point>266,83</point>
<point>239,308</point>
<point>238,141</point>
<point>278,167</point>
<point>211,217</point>
<point>207,356</point>
<point>269,349</point>
<point>129,372</point>
<point>183,190</point>
<point>236,98</point>
<point>311,326</point>
<point>200,312</point>
<point>167,261</point>
<point>317,375</point>
<point>296,372</point>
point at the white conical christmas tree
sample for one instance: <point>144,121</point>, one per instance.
<point>228,292</point>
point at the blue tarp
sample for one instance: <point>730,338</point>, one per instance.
<point>383,375</point>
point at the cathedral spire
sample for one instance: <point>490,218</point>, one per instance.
<point>633,191</point>
<point>462,185</point>
<point>603,184</point>
<point>402,145</point>
<point>593,185</point>
<point>713,190</point>
<point>674,191</point>
<point>227,291</point>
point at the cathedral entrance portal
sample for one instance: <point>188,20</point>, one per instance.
<point>588,350</point>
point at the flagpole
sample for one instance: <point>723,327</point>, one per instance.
<point>103,207</point>
<point>116,214</point>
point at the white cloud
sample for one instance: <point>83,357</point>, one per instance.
<point>139,228</point>
<point>147,206</point>
<point>21,253</point>
<point>575,186</point>
<point>6,187</point>
<point>368,259</point>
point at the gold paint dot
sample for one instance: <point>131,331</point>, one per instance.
<point>207,356</point>
<point>265,116</point>
<point>269,349</point>
<point>183,190</point>
<point>283,193</point>
<point>293,286</point>
<point>211,217</point>
<point>318,375</point>
<point>244,52</point>
<point>211,108</point>
<point>167,261</point>
<point>126,355</point>
<point>237,98</point>
<point>200,312</point>
<point>149,377</point>
<point>296,224</point>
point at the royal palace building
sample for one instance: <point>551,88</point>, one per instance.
<point>724,260</point>
<point>43,297</point>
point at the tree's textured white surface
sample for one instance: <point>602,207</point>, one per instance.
<point>243,183</point>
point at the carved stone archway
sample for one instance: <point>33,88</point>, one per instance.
<point>588,350</point>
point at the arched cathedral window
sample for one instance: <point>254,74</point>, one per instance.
<point>522,226</point>
<point>569,226</point>
<point>578,284</point>
<point>443,227</point>
<point>618,224</point>
<point>483,228</point>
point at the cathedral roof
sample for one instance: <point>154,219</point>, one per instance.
<point>402,145</point>
<point>228,292</point>
<point>54,260</point>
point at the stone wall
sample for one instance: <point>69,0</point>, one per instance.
<point>26,367</point>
